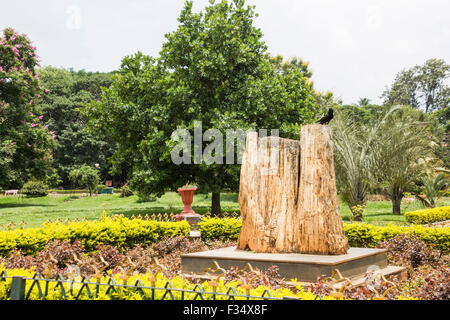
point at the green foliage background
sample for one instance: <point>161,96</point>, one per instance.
<point>68,92</point>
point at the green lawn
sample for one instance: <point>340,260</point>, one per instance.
<point>35,211</point>
<point>380,212</point>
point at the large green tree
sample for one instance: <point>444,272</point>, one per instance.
<point>422,86</point>
<point>25,140</point>
<point>426,87</point>
<point>213,68</point>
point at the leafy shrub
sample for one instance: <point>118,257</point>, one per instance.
<point>428,215</point>
<point>118,231</point>
<point>358,234</point>
<point>53,179</point>
<point>168,245</point>
<point>270,277</point>
<point>436,285</point>
<point>126,191</point>
<point>110,254</point>
<point>367,235</point>
<point>85,176</point>
<point>219,228</point>
<point>358,212</point>
<point>35,189</point>
<point>60,252</point>
<point>410,250</point>
<point>434,187</point>
<point>17,260</point>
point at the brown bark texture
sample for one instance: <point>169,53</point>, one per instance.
<point>287,196</point>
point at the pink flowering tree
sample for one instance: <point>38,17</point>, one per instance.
<point>25,141</point>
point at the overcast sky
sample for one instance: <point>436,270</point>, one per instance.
<point>355,47</point>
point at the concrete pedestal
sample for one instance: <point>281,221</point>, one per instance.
<point>304,267</point>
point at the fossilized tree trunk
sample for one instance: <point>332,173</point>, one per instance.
<point>288,197</point>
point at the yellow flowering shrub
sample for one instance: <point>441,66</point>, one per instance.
<point>358,234</point>
<point>428,215</point>
<point>117,231</point>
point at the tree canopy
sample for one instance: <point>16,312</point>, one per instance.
<point>85,176</point>
<point>68,91</point>
<point>422,86</point>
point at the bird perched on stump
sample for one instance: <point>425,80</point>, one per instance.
<point>327,118</point>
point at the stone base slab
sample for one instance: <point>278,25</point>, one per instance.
<point>304,267</point>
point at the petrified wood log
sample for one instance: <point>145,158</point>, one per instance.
<point>288,198</point>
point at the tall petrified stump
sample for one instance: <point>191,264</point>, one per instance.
<point>288,198</point>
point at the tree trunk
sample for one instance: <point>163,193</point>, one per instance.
<point>215,204</point>
<point>396,197</point>
<point>288,197</point>
<point>396,202</point>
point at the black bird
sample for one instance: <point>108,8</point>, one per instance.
<point>327,118</point>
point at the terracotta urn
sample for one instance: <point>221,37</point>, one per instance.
<point>187,196</point>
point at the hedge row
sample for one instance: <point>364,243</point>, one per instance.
<point>220,228</point>
<point>428,215</point>
<point>126,233</point>
<point>367,235</point>
<point>358,234</point>
<point>117,231</point>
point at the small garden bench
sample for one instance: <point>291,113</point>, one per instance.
<point>12,192</point>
